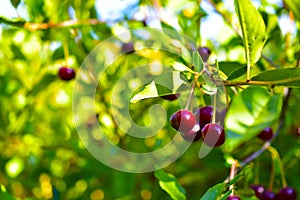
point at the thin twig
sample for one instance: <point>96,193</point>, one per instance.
<point>270,61</point>
<point>69,23</point>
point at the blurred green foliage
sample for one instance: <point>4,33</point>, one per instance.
<point>41,155</point>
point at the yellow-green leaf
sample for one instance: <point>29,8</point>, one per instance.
<point>253,29</point>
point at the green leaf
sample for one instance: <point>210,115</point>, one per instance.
<point>166,83</point>
<point>15,3</point>
<point>253,29</point>
<point>214,192</point>
<point>289,77</point>
<point>250,112</point>
<point>13,22</point>
<point>294,5</point>
<point>229,67</point>
<point>17,52</point>
<point>197,61</point>
<point>169,183</point>
<point>181,67</point>
<point>237,73</point>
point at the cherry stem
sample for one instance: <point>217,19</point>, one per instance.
<point>66,52</point>
<point>272,173</point>
<point>256,172</point>
<point>274,155</point>
<point>214,108</point>
<point>232,174</point>
<point>192,91</point>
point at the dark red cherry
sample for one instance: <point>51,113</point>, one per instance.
<point>127,47</point>
<point>233,198</point>
<point>258,189</point>
<point>268,195</point>
<point>204,53</point>
<point>213,135</point>
<point>171,97</point>
<point>266,134</point>
<point>191,135</point>
<point>287,193</point>
<point>204,115</point>
<point>66,73</point>
<point>183,120</point>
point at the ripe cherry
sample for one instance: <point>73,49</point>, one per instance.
<point>268,195</point>
<point>204,53</point>
<point>170,97</point>
<point>127,47</point>
<point>204,115</point>
<point>266,134</point>
<point>258,189</point>
<point>287,193</point>
<point>191,135</point>
<point>66,73</point>
<point>183,120</point>
<point>233,198</point>
<point>213,135</point>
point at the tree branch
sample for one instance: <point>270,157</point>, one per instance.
<point>42,26</point>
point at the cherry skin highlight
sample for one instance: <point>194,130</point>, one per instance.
<point>204,52</point>
<point>266,134</point>
<point>287,193</point>
<point>183,120</point>
<point>213,135</point>
<point>258,189</point>
<point>191,135</point>
<point>66,73</point>
<point>268,195</point>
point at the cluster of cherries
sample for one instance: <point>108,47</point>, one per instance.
<point>286,193</point>
<point>193,126</point>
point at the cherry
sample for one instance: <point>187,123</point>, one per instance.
<point>233,198</point>
<point>287,193</point>
<point>268,195</point>
<point>127,47</point>
<point>204,115</point>
<point>258,189</point>
<point>266,134</point>
<point>170,97</point>
<point>204,53</point>
<point>213,135</point>
<point>191,135</point>
<point>66,73</point>
<point>183,120</point>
